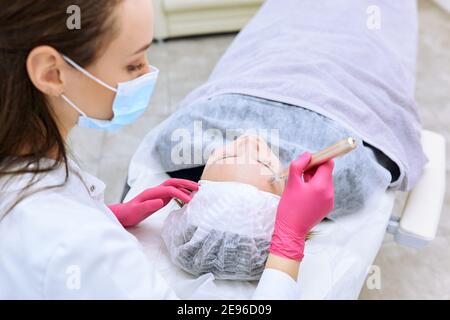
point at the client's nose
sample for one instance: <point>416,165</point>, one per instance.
<point>248,145</point>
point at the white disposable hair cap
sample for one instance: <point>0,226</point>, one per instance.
<point>225,230</point>
<point>233,207</point>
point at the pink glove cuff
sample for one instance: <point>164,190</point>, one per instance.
<point>287,245</point>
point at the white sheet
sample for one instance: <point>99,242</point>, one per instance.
<point>336,260</point>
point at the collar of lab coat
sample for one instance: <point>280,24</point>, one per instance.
<point>94,186</point>
<point>12,187</point>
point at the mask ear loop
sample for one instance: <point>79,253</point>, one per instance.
<point>73,105</point>
<point>87,74</point>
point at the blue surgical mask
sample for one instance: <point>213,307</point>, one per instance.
<point>131,101</point>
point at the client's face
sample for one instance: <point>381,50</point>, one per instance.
<point>247,160</point>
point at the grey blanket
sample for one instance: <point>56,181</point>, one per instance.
<point>356,175</point>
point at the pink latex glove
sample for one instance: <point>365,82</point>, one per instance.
<point>307,199</point>
<point>151,200</point>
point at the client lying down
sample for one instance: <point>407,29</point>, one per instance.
<point>227,227</point>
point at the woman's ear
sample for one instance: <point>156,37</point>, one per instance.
<point>44,69</point>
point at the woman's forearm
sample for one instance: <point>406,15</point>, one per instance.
<point>289,266</point>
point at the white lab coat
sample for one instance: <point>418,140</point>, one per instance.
<point>64,243</point>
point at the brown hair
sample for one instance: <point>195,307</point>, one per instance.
<point>28,129</point>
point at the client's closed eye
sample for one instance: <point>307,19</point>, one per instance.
<point>267,164</point>
<point>225,157</point>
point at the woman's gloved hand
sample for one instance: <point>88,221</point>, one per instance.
<point>307,199</point>
<point>153,199</point>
